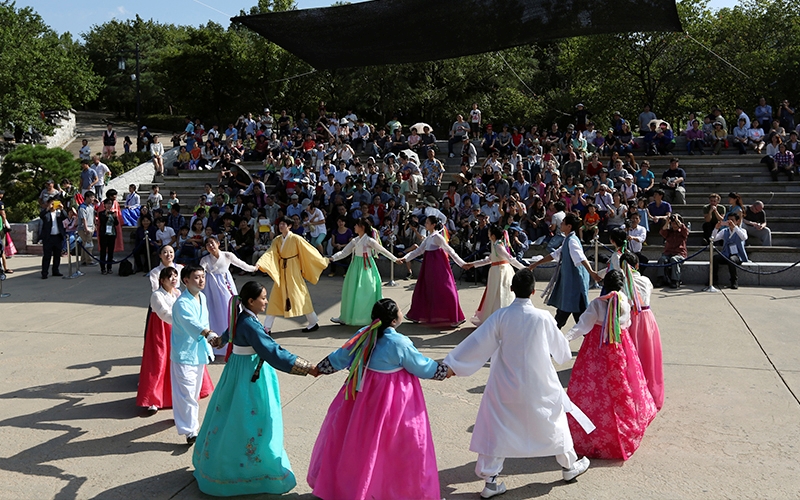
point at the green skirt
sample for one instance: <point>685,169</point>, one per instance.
<point>361,289</point>
<point>239,450</point>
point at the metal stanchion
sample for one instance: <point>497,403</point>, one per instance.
<point>2,279</point>
<point>711,288</point>
<point>391,282</point>
<point>147,247</point>
<point>77,273</point>
<point>596,259</point>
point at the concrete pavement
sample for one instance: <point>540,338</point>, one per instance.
<point>69,427</point>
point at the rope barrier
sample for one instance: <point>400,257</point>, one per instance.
<point>760,273</point>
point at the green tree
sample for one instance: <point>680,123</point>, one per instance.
<point>24,172</point>
<point>39,70</point>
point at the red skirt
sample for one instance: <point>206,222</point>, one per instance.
<point>155,386</point>
<point>607,383</point>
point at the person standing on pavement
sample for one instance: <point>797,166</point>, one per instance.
<point>675,234</point>
<point>88,177</point>
<point>109,142</point>
<point>732,235</point>
<point>103,174</point>
<point>86,227</point>
<point>5,229</point>
<point>52,234</point>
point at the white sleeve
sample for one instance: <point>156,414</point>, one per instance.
<point>483,262</point>
<point>423,245</point>
<point>501,250</point>
<point>742,233</point>
<point>373,243</point>
<point>591,316</point>
<point>233,259</point>
<point>161,306</point>
<point>716,234</point>
<point>441,243</point>
<point>472,353</point>
<point>576,251</point>
<point>556,254</point>
<point>344,252</point>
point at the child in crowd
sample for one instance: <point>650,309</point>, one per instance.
<point>644,214</point>
<point>591,221</point>
<point>375,441</point>
<point>155,198</point>
<point>182,240</point>
<point>126,144</point>
<point>618,401</point>
<point>173,200</point>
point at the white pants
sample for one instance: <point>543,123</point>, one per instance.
<point>488,466</point>
<point>270,319</point>
<point>187,380</point>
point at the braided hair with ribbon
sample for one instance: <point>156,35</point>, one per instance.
<point>361,346</point>
<point>611,330</point>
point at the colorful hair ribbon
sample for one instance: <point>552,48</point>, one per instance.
<point>360,347</point>
<point>611,332</point>
<point>507,242</point>
<point>630,288</point>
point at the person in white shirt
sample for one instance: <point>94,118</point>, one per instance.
<point>491,208</point>
<point>165,236</point>
<point>103,174</point>
<point>155,199</point>
<point>475,121</point>
<point>636,237</point>
<point>85,153</point>
<point>157,150</point>
<point>342,173</point>
<point>523,411</point>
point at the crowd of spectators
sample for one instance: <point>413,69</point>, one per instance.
<point>326,173</point>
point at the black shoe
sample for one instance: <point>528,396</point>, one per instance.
<point>311,328</point>
<point>734,286</point>
<point>674,284</point>
<point>44,276</point>
<point>57,274</point>
<point>190,440</point>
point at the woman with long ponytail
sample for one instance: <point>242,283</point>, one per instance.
<point>435,300</point>
<point>375,441</point>
<point>239,449</point>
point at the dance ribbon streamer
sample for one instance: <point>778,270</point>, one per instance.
<point>360,347</point>
<point>611,333</point>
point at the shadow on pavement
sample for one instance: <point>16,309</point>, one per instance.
<point>466,474</point>
<point>70,442</point>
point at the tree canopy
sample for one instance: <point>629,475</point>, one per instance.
<point>39,70</point>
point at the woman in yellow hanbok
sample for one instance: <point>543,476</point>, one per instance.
<point>290,261</point>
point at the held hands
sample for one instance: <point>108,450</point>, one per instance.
<point>468,265</point>
<point>401,260</point>
<point>596,276</point>
<point>314,372</point>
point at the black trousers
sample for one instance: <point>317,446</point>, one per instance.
<point>734,272</point>
<point>107,251</point>
<point>563,316</point>
<point>51,250</point>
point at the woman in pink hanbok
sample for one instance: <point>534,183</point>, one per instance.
<point>607,381</point>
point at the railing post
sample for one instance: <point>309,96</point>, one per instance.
<point>596,241</point>
<point>147,247</point>
<point>391,282</point>
<point>711,288</point>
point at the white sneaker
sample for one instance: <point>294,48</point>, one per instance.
<point>337,320</point>
<point>493,489</point>
<point>577,469</point>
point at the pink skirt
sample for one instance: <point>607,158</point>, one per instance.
<point>435,298</point>
<point>647,339</point>
<point>378,445</point>
<point>607,383</point>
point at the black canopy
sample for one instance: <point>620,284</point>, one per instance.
<point>401,31</point>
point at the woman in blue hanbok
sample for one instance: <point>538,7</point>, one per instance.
<point>239,450</point>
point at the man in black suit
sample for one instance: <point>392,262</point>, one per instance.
<point>52,235</point>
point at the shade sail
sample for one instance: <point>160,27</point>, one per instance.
<point>402,31</point>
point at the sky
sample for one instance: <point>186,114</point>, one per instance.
<point>77,16</point>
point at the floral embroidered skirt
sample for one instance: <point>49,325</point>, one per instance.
<point>608,384</point>
<point>239,450</point>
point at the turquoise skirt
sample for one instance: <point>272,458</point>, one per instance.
<point>239,450</point>
<point>361,289</point>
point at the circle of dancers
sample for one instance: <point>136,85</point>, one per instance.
<point>375,440</point>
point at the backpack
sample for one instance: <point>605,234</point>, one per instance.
<point>125,268</point>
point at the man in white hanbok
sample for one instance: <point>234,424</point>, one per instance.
<point>523,412</point>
